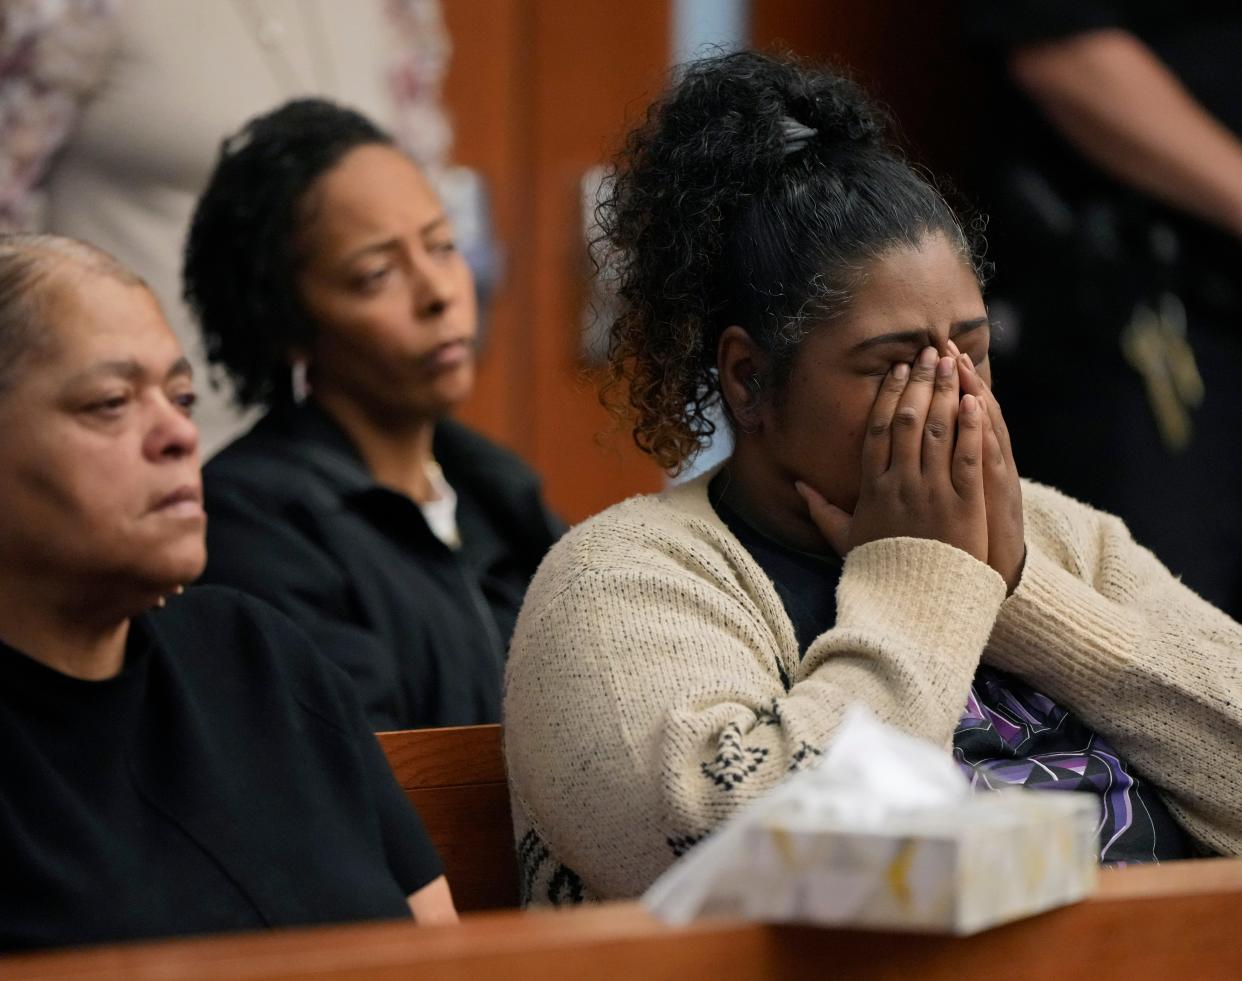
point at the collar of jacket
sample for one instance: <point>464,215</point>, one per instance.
<point>494,477</point>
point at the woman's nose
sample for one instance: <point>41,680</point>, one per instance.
<point>944,345</point>
<point>433,288</point>
<point>173,433</point>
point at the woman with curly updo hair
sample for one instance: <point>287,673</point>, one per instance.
<point>868,541</point>
<point>323,270</point>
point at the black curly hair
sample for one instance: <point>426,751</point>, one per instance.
<point>715,218</point>
<point>240,255</point>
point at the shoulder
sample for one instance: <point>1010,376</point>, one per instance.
<point>232,646</point>
<point>459,440</point>
<point>674,534</point>
<point>467,454</point>
<point>498,481</point>
<point>1080,538</point>
<point>267,467</point>
<point>1054,514</point>
<point>255,459</point>
<point>223,625</point>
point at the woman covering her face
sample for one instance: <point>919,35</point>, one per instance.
<point>323,269</point>
<point>172,764</point>
<point>869,541</point>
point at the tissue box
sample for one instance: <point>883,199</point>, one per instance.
<point>992,858</point>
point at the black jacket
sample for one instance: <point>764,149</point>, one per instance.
<point>295,517</point>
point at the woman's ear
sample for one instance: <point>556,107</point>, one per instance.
<point>741,366</point>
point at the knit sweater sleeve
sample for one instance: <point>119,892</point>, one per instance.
<point>654,685</point>
<point>1098,623</point>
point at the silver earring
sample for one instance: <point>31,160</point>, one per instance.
<point>299,384</point>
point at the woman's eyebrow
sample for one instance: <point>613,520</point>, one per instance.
<point>180,368</point>
<point>966,326</point>
<point>920,338</point>
<point>434,224</point>
<point>394,243</point>
<point>387,245</point>
<point>130,370</point>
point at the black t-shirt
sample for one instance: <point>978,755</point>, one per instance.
<point>806,583</point>
<point>224,780</point>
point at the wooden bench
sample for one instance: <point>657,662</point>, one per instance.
<point>1172,921</point>
<point>455,778</point>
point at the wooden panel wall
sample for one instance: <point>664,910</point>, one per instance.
<point>910,56</point>
<point>539,91</point>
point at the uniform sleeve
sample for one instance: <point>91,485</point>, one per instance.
<point>1098,623</point>
<point>1013,23</point>
<point>645,704</point>
<point>267,556</point>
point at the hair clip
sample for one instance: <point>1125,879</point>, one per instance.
<point>796,135</point>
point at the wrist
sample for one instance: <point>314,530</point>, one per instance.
<point>1014,578</point>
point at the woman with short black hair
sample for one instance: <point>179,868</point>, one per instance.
<point>172,764</point>
<point>324,272</point>
<point>868,541</point>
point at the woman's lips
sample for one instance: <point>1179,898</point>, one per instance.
<point>448,355</point>
<point>184,502</point>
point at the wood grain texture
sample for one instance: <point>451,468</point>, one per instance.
<point>540,91</point>
<point>455,778</point>
<point>456,756</point>
<point>1164,929</point>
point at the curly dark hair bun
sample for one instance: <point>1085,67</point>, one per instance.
<point>725,209</point>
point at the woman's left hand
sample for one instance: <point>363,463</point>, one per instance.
<point>1001,488</point>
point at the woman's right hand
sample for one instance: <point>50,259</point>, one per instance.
<point>922,474</point>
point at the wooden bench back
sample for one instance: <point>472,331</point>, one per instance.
<point>455,778</point>
<point>1154,921</point>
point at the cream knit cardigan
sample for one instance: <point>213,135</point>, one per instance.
<point>654,683</point>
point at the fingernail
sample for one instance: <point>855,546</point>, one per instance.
<point>969,405</point>
<point>967,363</point>
<point>927,357</point>
<point>900,371</point>
<point>945,368</point>
<point>953,347</point>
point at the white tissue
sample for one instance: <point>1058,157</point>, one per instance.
<point>823,845</point>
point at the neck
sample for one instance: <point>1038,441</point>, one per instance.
<point>397,451</point>
<point>64,635</point>
<point>764,496</point>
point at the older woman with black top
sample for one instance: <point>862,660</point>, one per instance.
<point>172,764</point>
<point>323,269</point>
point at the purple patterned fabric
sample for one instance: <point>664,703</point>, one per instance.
<point>1012,735</point>
<point>1009,734</point>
